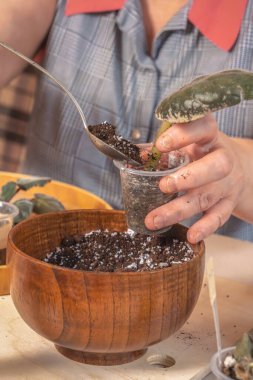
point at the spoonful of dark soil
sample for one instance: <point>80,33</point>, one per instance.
<point>108,142</point>
<point>103,135</point>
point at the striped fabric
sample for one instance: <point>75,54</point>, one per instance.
<point>102,59</point>
<point>16,103</point>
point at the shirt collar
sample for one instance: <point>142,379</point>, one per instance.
<point>179,20</point>
<point>217,20</point>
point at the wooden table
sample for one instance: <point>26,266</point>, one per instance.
<point>24,355</point>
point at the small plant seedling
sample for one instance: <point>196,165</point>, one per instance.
<point>204,94</point>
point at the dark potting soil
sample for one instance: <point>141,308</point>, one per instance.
<point>108,251</point>
<point>107,133</point>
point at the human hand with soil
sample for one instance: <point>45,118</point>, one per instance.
<point>216,182</point>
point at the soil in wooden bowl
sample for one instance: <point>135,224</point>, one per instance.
<point>119,252</point>
<point>107,133</point>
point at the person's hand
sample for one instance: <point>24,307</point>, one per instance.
<point>212,182</point>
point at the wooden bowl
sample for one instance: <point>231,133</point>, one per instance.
<point>97,317</point>
<point>72,197</point>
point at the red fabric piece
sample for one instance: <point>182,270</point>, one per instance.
<point>92,6</point>
<point>217,20</point>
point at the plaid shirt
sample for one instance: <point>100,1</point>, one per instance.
<point>102,59</point>
<point>16,103</point>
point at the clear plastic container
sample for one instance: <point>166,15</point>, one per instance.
<point>214,363</point>
<point>8,211</point>
<point>141,192</point>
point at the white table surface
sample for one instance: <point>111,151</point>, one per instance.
<point>24,355</point>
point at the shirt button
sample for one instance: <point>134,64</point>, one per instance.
<point>136,134</point>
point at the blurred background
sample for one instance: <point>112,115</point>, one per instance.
<point>16,103</point>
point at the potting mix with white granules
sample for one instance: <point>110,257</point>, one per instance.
<point>108,251</point>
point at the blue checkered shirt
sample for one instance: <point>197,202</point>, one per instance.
<point>102,59</point>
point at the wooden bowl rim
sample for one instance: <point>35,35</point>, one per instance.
<point>201,246</point>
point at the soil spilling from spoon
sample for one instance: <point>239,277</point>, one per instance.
<point>107,133</point>
<point>119,252</point>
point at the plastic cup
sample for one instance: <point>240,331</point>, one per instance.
<point>141,193</point>
<point>8,211</point>
<point>214,363</point>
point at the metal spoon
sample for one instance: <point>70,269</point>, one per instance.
<point>103,147</point>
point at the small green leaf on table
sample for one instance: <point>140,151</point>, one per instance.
<point>8,191</point>
<point>43,203</point>
<point>27,183</point>
<point>25,207</point>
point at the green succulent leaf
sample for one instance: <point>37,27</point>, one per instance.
<point>27,183</point>
<point>206,94</point>
<point>43,203</point>
<point>8,191</point>
<point>244,348</point>
<point>25,209</point>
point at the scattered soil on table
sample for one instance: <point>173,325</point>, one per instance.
<point>108,251</point>
<point>188,339</point>
<point>107,133</point>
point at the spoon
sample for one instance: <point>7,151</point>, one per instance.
<point>102,146</point>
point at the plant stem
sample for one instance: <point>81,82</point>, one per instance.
<point>155,154</point>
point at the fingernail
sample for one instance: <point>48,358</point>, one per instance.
<point>158,221</point>
<point>166,142</point>
<point>197,237</point>
<point>168,184</point>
